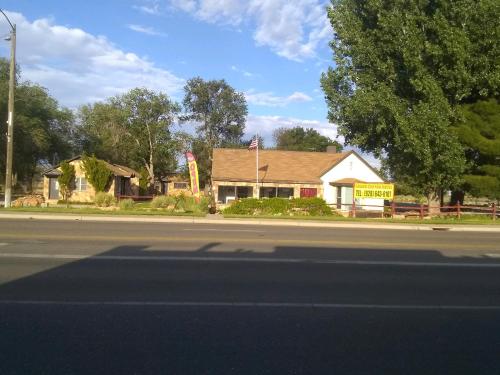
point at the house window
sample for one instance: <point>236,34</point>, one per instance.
<point>273,192</point>
<point>180,185</point>
<point>268,192</point>
<point>81,184</point>
<point>227,194</point>
<point>244,192</point>
<point>284,192</point>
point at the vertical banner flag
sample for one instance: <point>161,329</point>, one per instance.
<point>193,175</point>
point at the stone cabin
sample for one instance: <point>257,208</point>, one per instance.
<point>174,184</point>
<point>125,182</point>
<point>291,174</point>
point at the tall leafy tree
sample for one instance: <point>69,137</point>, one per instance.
<point>133,129</point>
<point>219,113</point>
<point>480,133</point>
<point>102,132</point>
<point>43,131</point>
<point>401,69</point>
<point>300,139</point>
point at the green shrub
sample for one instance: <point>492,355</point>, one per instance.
<point>189,204</point>
<point>126,204</point>
<point>204,205</point>
<point>275,206</point>
<point>280,207</point>
<point>104,199</point>
<point>163,201</point>
<point>311,206</point>
<point>66,180</point>
<point>143,181</point>
<point>181,203</point>
<point>247,206</point>
<point>97,172</point>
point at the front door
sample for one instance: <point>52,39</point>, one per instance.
<point>348,198</point>
<point>53,188</point>
<point>308,192</point>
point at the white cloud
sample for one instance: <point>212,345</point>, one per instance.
<point>293,29</point>
<point>265,126</point>
<point>245,73</point>
<point>78,67</point>
<point>151,7</point>
<point>145,30</point>
<point>185,5</point>
<point>268,99</point>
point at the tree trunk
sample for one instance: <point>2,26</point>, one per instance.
<point>457,197</point>
<point>434,203</point>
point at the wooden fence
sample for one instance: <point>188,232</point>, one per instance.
<point>423,210</point>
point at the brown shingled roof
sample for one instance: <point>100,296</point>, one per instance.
<point>274,165</point>
<point>121,170</point>
<point>116,169</point>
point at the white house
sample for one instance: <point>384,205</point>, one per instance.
<point>329,175</point>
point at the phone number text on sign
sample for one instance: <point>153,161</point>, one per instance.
<point>376,191</point>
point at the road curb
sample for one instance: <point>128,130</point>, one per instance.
<point>268,222</point>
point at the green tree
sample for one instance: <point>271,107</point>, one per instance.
<point>42,130</point>
<point>300,139</point>
<point>132,129</point>
<point>401,69</point>
<point>66,180</point>
<point>97,172</point>
<point>103,133</point>
<point>480,133</point>
<point>219,113</point>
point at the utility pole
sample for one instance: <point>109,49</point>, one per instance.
<point>10,119</point>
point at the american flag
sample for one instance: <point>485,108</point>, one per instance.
<point>254,144</point>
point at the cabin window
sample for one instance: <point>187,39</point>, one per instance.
<point>180,185</point>
<point>81,184</point>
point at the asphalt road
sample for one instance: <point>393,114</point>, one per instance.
<point>135,298</point>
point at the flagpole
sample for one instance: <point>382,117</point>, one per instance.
<point>257,166</point>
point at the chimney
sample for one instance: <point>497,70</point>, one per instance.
<point>331,149</point>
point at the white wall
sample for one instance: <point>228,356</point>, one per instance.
<point>351,167</point>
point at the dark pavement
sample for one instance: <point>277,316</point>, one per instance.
<point>130,298</point>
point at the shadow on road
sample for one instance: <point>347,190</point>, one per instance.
<point>289,274</point>
<point>153,339</point>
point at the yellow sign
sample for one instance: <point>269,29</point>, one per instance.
<point>374,191</point>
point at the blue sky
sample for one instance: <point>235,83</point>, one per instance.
<point>272,50</point>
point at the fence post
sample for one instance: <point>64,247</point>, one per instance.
<point>421,211</point>
<point>353,208</point>
<point>458,210</point>
<point>393,209</point>
<point>494,211</point>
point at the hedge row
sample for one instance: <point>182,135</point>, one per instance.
<point>280,207</point>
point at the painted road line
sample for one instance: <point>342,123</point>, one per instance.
<point>351,243</point>
<point>224,230</point>
<point>217,258</point>
<point>252,304</point>
<point>493,255</point>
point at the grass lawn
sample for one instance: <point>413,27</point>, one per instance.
<point>478,220</point>
<point>144,209</point>
<point>139,209</point>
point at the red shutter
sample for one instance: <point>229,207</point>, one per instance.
<point>308,192</point>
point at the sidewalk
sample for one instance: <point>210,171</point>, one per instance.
<point>218,220</point>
